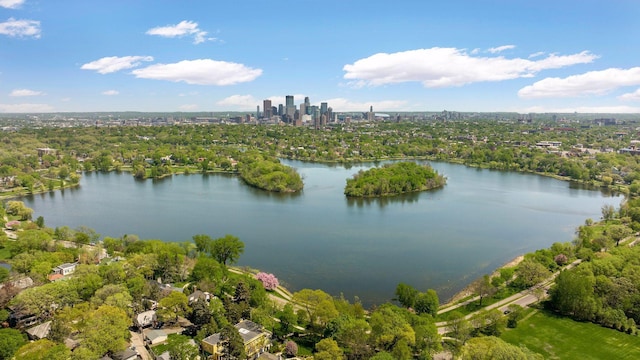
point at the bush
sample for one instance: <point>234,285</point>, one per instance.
<point>291,349</point>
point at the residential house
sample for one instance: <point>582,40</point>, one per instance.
<point>145,319</point>
<point>65,269</point>
<point>154,337</point>
<point>256,340</point>
<point>39,331</point>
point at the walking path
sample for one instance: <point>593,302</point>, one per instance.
<point>523,298</point>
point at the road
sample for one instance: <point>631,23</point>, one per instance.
<point>138,342</point>
<point>523,298</point>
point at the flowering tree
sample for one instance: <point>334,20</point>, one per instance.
<point>13,224</point>
<point>269,281</point>
<point>291,349</point>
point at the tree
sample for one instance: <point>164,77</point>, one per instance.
<point>269,281</point>
<point>232,343</point>
<point>459,327</point>
<point>353,335</point>
<point>180,348</point>
<point>529,273</point>
<point>328,349</point>
<point>573,293</point>
<point>291,349</point>
<point>204,243</point>
<point>174,305</point>
<point>288,319</point>
<point>406,295</point>
<point>10,341</point>
<point>427,303</point>
<point>227,249</point>
<point>310,301</point>
<point>483,287</point>
<point>490,347</point>
<point>618,232</point>
<point>389,327</point>
<point>43,349</point>
<point>107,330</point>
<point>19,209</point>
<point>608,212</point>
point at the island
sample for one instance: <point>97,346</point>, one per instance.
<point>394,179</point>
<point>269,174</point>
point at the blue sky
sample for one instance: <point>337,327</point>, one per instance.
<point>405,55</point>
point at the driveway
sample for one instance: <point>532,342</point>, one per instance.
<point>138,342</point>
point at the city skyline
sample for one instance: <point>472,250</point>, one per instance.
<point>74,56</point>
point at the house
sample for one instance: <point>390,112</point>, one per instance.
<point>39,331</point>
<point>256,340</point>
<point>127,354</point>
<point>199,296</point>
<point>154,337</point>
<point>145,319</point>
<point>65,269</point>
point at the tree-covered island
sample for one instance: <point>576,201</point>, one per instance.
<point>269,175</point>
<point>394,179</point>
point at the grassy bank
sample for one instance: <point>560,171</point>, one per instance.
<point>558,337</point>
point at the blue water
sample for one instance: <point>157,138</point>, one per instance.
<point>319,239</point>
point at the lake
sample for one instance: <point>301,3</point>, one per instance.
<point>319,239</point>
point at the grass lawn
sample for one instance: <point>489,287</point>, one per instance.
<point>5,254</point>
<point>475,305</point>
<point>557,337</point>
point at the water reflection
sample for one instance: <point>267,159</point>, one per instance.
<point>383,201</point>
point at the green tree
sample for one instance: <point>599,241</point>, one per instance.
<point>180,348</point>
<point>529,273</point>
<point>618,232</point>
<point>10,341</point>
<point>232,343</point>
<point>227,249</point>
<point>427,303</point>
<point>174,305</point>
<point>493,348</point>
<point>204,243</point>
<point>19,209</point>
<point>483,288</point>
<point>43,349</point>
<point>107,330</point>
<point>406,295</point>
<point>573,294</point>
<point>389,327</point>
<point>328,349</point>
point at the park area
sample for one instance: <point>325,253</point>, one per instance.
<point>558,337</point>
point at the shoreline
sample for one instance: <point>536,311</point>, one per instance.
<point>466,291</point>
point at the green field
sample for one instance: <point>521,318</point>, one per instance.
<point>562,338</point>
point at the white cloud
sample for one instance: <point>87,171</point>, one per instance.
<point>20,28</point>
<point>537,54</point>
<point>184,28</point>
<point>342,105</point>
<point>25,92</point>
<point>239,102</point>
<point>188,107</point>
<point>502,48</point>
<point>634,96</point>
<point>446,67</point>
<point>200,72</point>
<point>11,4</point>
<point>590,83</point>
<point>112,64</point>
<point>111,92</point>
<point>583,110</point>
<point>26,108</point>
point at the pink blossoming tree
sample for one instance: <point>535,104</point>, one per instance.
<point>269,281</point>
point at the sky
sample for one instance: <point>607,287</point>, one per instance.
<point>405,55</point>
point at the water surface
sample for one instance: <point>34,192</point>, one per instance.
<point>319,239</point>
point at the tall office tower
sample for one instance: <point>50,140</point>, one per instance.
<point>274,111</point>
<point>307,105</point>
<point>303,110</point>
<point>266,105</point>
<point>289,100</point>
<point>290,108</point>
<point>323,108</point>
<point>330,115</point>
<point>280,109</point>
<point>258,112</point>
<point>323,120</point>
<point>370,114</point>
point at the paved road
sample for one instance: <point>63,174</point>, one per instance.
<point>138,342</point>
<point>523,298</point>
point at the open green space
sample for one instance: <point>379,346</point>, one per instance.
<point>558,337</point>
